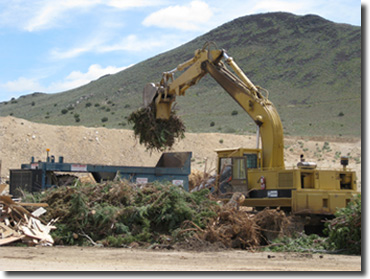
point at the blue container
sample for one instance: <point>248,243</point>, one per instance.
<point>173,167</point>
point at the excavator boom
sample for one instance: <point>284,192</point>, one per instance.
<point>261,110</point>
<point>237,85</point>
<point>259,174</point>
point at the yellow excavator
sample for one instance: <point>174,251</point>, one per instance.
<point>259,173</point>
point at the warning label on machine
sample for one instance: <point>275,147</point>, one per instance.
<point>78,167</point>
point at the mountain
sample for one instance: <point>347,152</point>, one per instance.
<point>310,66</point>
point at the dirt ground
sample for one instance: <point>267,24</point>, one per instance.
<point>122,259</point>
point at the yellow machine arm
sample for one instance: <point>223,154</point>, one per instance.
<point>239,87</point>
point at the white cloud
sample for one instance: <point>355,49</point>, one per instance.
<point>88,45</point>
<point>78,78</point>
<point>127,4</point>
<point>38,15</point>
<point>130,43</point>
<point>50,13</point>
<point>21,84</point>
<point>59,54</point>
<point>187,17</point>
<point>73,80</point>
<point>34,15</point>
<point>95,71</point>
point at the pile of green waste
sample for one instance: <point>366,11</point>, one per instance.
<point>156,134</point>
<point>123,214</point>
<point>118,214</point>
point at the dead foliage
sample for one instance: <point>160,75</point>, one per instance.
<point>156,134</point>
<point>233,228</point>
<point>198,179</point>
<point>273,223</point>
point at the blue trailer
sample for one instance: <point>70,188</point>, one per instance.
<point>173,167</point>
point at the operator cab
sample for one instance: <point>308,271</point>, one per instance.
<point>233,166</point>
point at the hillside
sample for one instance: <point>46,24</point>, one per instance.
<point>310,66</point>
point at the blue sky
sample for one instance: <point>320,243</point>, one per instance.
<point>52,46</point>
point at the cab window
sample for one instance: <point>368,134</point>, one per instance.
<point>251,161</point>
<point>239,169</point>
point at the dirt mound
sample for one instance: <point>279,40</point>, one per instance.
<point>21,139</point>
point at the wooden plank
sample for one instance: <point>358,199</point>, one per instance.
<point>33,204</point>
<point>6,231</point>
<point>33,233</point>
<point>10,239</point>
<point>38,212</point>
<point>6,199</point>
<point>2,187</point>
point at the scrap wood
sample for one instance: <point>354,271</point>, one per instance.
<point>33,204</point>
<point>2,187</point>
<point>7,200</point>
<point>33,232</point>
<point>17,223</point>
<point>6,231</point>
<point>38,212</point>
<point>11,239</point>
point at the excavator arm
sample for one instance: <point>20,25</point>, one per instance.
<point>237,85</point>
